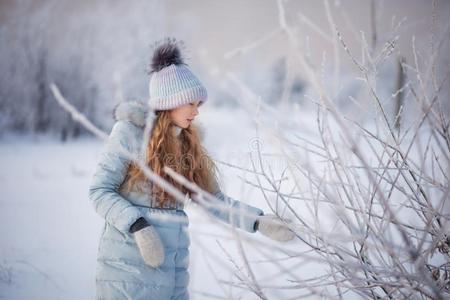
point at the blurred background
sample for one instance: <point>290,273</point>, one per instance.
<point>98,54</point>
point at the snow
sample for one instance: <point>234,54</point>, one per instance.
<point>50,231</point>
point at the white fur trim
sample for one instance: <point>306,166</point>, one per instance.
<point>133,111</point>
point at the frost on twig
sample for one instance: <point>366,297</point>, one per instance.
<point>371,199</point>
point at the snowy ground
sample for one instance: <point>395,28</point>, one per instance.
<point>50,230</point>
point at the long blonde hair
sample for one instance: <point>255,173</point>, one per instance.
<point>183,153</point>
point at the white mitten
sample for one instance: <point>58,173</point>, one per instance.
<point>150,246</point>
<point>271,226</point>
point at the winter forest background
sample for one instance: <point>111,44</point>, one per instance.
<point>334,114</point>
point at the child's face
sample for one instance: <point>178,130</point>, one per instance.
<point>183,115</point>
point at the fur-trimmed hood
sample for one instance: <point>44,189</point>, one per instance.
<point>133,111</point>
<point>138,113</point>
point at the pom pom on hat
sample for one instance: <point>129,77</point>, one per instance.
<point>167,52</point>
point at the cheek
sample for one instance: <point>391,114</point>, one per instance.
<point>174,116</point>
<point>185,113</point>
<point>179,115</point>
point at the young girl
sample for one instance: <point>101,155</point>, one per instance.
<point>144,245</point>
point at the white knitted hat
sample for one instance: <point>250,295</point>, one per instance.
<point>172,84</point>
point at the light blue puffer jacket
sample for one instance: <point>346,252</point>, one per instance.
<point>121,272</point>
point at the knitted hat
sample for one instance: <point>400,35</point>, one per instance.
<point>172,84</point>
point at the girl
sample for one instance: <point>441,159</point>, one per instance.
<point>144,246</point>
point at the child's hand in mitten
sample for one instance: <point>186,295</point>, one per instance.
<point>149,244</point>
<point>271,226</point>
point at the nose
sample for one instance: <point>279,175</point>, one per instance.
<point>195,111</point>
